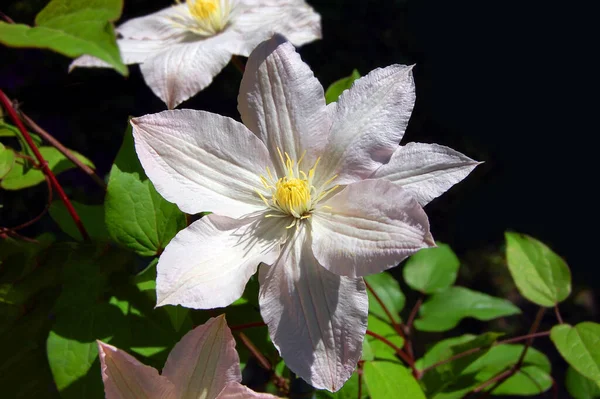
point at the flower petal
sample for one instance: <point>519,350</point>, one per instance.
<point>208,264</point>
<point>184,69</point>
<point>201,161</point>
<point>155,26</point>
<point>369,120</point>
<point>125,377</point>
<point>316,319</point>
<point>426,170</point>
<point>283,103</point>
<point>204,361</point>
<point>132,52</point>
<point>260,19</point>
<point>373,225</point>
<point>235,390</point>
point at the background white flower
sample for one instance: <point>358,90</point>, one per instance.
<point>183,47</point>
<point>314,193</point>
<point>204,364</point>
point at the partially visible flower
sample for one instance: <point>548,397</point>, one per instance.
<point>183,47</point>
<point>204,364</point>
<point>318,195</point>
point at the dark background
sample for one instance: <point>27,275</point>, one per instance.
<point>496,81</point>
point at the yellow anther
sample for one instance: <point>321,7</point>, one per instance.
<point>203,9</point>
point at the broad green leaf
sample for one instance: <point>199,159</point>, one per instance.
<point>431,269</point>
<point>444,310</point>
<point>336,88</point>
<point>20,177</point>
<point>7,160</point>
<point>388,290</point>
<point>367,352</point>
<point>440,377</point>
<point>580,347</point>
<point>441,350</point>
<point>581,387</point>
<point>137,216</point>
<point>348,391</point>
<point>8,130</point>
<point>386,380</point>
<point>541,276</point>
<point>92,217</point>
<point>72,28</point>
<point>379,349</point>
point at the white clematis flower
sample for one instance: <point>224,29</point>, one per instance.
<point>204,364</point>
<point>319,195</point>
<point>183,47</point>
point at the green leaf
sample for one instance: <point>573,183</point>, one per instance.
<point>387,379</point>
<point>337,87</point>
<point>72,28</point>
<point>7,160</point>
<point>444,310</point>
<point>178,315</point>
<point>541,276</point>
<point>20,177</point>
<point>579,386</point>
<point>431,269</point>
<point>580,347</point>
<point>137,216</point>
<point>379,349</point>
<point>388,290</point>
<point>348,391</point>
<point>92,217</point>
<point>440,377</point>
<point>8,130</point>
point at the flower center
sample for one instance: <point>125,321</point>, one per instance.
<point>204,17</point>
<point>293,194</point>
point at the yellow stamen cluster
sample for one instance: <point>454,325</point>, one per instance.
<point>204,17</point>
<point>293,194</point>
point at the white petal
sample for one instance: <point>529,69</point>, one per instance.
<point>204,361</point>
<point>371,226</point>
<point>316,319</point>
<point>235,390</point>
<point>184,69</point>
<point>125,377</point>
<point>426,170</point>
<point>155,26</point>
<point>208,264</point>
<point>368,122</point>
<point>202,161</point>
<point>283,103</point>
<point>260,19</point>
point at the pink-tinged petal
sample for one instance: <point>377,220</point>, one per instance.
<point>317,320</point>
<point>370,226</point>
<point>202,161</point>
<point>235,390</point>
<point>260,19</point>
<point>156,26</point>
<point>182,70</point>
<point>369,120</point>
<point>208,264</point>
<point>204,361</point>
<point>132,52</point>
<point>125,377</point>
<point>283,103</point>
<point>426,170</point>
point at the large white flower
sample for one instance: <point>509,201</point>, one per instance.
<point>320,195</point>
<point>183,47</point>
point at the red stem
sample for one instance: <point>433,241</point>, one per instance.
<point>247,325</point>
<point>398,350</point>
<point>396,326</point>
<point>43,164</point>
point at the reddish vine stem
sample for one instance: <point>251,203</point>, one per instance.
<point>408,330</point>
<point>395,325</point>
<point>64,150</point>
<point>247,325</point>
<point>397,349</point>
<point>359,371</point>
<point>43,164</point>
<point>262,360</point>
<point>6,18</point>
<point>475,350</point>
<point>558,316</point>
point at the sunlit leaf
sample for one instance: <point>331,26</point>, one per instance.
<point>7,160</point>
<point>581,387</point>
<point>348,391</point>
<point>446,309</point>
<point>21,177</point>
<point>541,276</point>
<point>386,379</point>
<point>580,347</point>
<point>431,269</point>
<point>379,349</point>
<point>72,28</point>
<point>336,88</point>
<point>137,216</point>
<point>388,290</point>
